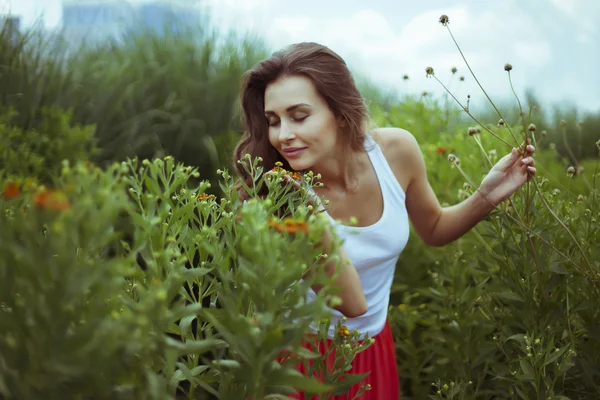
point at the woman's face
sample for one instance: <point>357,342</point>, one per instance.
<point>302,128</point>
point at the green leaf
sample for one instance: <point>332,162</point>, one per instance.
<point>555,355</point>
<point>185,325</point>
<point>528,371</point>
<point>305,353</point>
<point>349,380</point>
<point>519,337</point>
<point>509,296</point>
<point>196,346</point>
<point>293,378</point>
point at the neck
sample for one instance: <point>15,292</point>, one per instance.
<point>339,173</point>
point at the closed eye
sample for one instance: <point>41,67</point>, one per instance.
<point>299,119</point>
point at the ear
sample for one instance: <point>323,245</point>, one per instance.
<point>341,122</point>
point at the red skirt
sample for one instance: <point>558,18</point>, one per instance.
<point>379,359</point>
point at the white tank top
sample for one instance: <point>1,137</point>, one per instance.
<point>374,249</point>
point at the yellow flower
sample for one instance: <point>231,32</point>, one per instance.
<point>344,331</point>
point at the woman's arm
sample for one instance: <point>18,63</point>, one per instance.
<point>354,302</point>
<point>436,225</point>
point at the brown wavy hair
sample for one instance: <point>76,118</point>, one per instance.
<point>333,81</point>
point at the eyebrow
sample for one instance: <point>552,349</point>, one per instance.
<point>290,108</point>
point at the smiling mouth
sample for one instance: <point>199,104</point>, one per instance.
<point>295,152</point>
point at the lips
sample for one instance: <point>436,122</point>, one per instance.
<point>292,152</point>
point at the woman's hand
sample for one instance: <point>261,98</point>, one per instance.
<point>352,296</point>
<point>508,175</point>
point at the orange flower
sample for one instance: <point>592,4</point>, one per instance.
<point>11,190</point>
<point>205,197</point>
<point>54,200</point>
<point>278,168</point>
<point>441,150</point>
<point>293,225</point>
<point>344,331</point>
<point>288,225</point>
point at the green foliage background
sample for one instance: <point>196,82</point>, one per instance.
<point>508,311</point>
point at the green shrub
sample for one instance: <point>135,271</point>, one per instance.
<point>150,94</point>
<point>509,310</point>
<point>134,283</point>
<point>38,154</point>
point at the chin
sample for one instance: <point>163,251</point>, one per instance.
<point>299,165</point>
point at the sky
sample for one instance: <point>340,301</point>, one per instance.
<point>551,44</point>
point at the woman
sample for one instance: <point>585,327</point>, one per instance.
<point>301,107</point>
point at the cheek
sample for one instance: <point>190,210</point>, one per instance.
<point>273,137</point>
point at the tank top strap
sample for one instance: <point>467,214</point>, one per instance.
<point>387,179</point>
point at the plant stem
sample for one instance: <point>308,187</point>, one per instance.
<point>472,116</point>
<point>476,80</point>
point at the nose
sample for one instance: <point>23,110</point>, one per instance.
<point>286,132</point>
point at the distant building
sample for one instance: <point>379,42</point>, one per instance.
<point>96,20</point>
<point>167,14</point>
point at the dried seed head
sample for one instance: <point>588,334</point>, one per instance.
<point>454,70</point>
<point>451,158</point>
<point>570,171</point>
<point>531,128</point>
<point>507,67</point>
<point>424,94</point>
<point>563,123</point>
<point>444,20</point>
<point>462,78</point>
<point>429,71</point>
<point>543,133</point>
<point>500,122</point>
<point>472,131</point>
<point>405,77</point>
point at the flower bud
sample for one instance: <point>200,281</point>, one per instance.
<point>500,122</point>
<point>531,128</point>
<point>429,71</point>
<point>444,20</point>
<point>507,67</point>
<point>570,171</point>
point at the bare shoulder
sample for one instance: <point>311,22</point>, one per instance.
<point>395,143</point>
<point>401,151</point>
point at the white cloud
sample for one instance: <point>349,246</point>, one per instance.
<point>372,44</point>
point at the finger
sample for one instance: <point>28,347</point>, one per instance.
<point>531,172</point>
<point>528,161</point>
<point>509,159</point>
<point>530,149</point>
<point>291,180</point>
